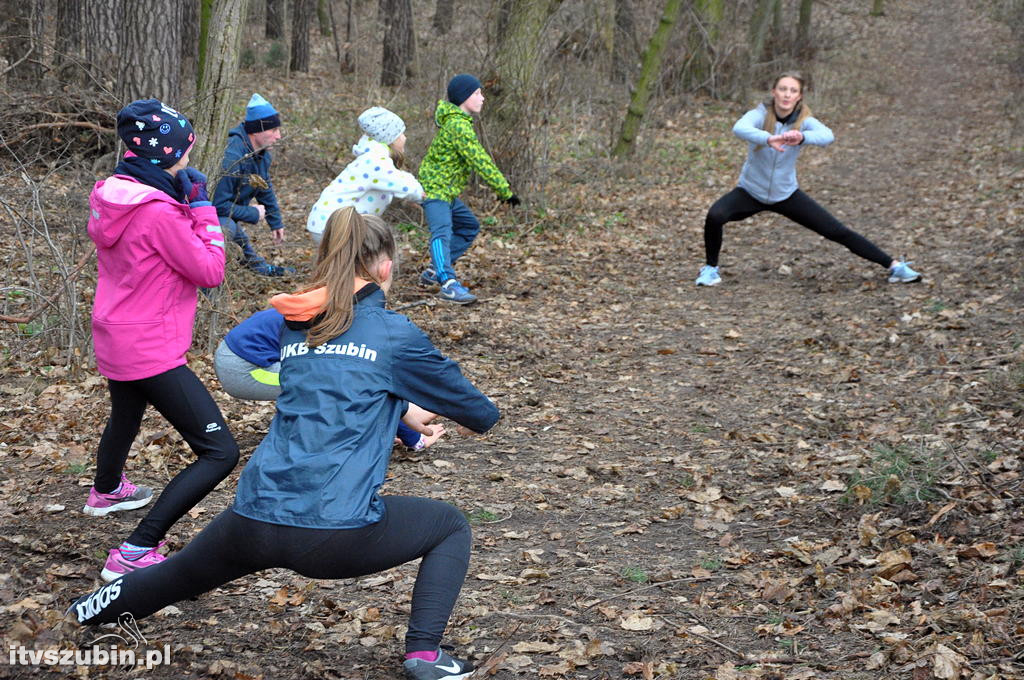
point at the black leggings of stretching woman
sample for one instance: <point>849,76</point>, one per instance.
<point>233,546</point>
<point>799,207</point>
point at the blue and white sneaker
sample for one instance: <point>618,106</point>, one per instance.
<point>428,278</point>
<point>902,273</point>
<point>708,276</point>
<point>453,291</point>
<point>445,667</point>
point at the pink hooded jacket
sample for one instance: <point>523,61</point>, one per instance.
<point>152,253</point>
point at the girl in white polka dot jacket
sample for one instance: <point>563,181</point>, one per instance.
<point>370,181</point>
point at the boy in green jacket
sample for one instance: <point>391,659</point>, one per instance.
<point>444,172</point>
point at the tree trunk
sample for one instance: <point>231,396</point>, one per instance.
<point>218,87</point>
<point>274,24</point>
<point>68,40</point>
<point>23,46</point>
<point>803,30</point>
<point>323,17</point>
<point>877,8</point>
<point>190,29</point>
<point>516,94</point>
<point>648,75</point>
<point>625,47</point>
<point>702,44</point>
<point>444,12</point>
<point>302,20</point>
<point>760,28</point>
<point>399,45</point>
<point>150,58</point>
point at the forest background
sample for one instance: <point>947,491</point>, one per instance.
<point>802,473</point>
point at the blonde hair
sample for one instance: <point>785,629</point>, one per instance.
<point>352,246</point>
<point>803,111</point>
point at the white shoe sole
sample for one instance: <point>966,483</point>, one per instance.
<point>130,505</point>
<point>896,279</point>
<point>708,285</point>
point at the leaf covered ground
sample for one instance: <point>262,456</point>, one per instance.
<point>805,472</point>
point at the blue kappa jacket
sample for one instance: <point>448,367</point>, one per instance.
<point>235,192</point>
<point>326,453</point>
<point>769,175</point>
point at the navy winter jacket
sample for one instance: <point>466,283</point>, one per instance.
<point>326,453</point>
<point>235,191</point>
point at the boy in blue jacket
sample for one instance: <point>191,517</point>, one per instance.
<point>246,167</point>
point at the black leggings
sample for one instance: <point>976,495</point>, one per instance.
<point>799,207</point>
<point>233,546</point>
<point>180,397</point>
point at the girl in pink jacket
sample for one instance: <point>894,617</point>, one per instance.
<point>157,240</point>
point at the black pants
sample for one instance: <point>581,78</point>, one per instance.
<point>180,397</point>
<point>233,546</point>
<point>799,207</point>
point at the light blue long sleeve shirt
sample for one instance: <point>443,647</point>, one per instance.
<point>769,175</point>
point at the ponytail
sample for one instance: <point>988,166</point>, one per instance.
<point>351,247</point>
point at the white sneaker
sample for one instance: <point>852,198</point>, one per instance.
<point>708,276</point>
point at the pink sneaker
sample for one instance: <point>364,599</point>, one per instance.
<point>117,566</point>
<point>128,497</point>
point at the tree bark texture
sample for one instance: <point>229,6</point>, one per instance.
<point>702,40</point>
<point>150,57</point>
<point>101,40</point>
<point>803,30</point>
<point>190,20</point>
<point>399,47</point>
<point>302,21</point>
<point>23,46</point>
<point>211,118</point>
<point>877,8</point>
<point>515,95</point>
<point>444,13</point>
<point>760,28</point>
<point>68,39</point>
<point>273,28</point>
<point>323,16</point>
<point>649,70</point>
<point>625,47</point>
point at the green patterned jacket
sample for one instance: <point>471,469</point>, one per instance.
<point>453,154</point>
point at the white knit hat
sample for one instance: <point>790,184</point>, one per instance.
<point>381,124</point>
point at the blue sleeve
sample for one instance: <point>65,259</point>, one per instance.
<point>748,128</point>
<point>426,378</point>
<point>815,132</point>
<point>231,186</point>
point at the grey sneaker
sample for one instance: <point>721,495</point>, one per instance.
<point>446,667</point>
<point>128,496</point>
<point>902,273</point>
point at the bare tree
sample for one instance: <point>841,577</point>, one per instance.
<point>68,39</point>
<point>760,27</point>
<point>190,31</point>
<point>274,25</point>
<point>803,31</point>
<point>625,47</point>
<point>24,41</point>
<point>323,16</point>
<point>102,39</point>
<point>150,58</point>
<point>877,8</point>
<point>217,88</point>
<point>399,44</point>
<point>520,30</point>
<point>444,12</point>
<point>302,21</point>
<point>648,75</point>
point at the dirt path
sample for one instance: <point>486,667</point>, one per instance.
<point>669,492</point>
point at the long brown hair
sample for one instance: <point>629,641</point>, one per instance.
<point>803,111</point>
<point>351,246</point>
